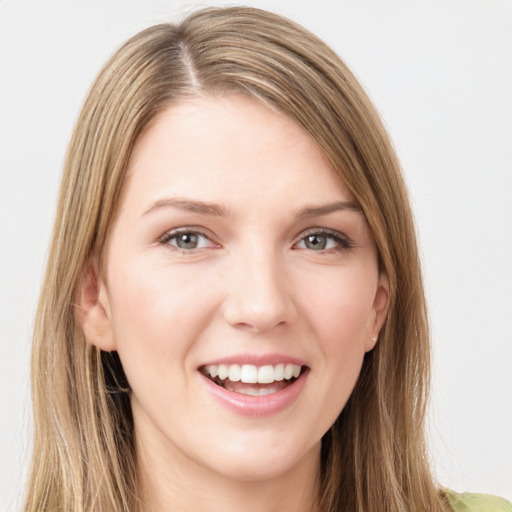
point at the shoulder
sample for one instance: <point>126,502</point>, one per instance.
<point>473,502</point>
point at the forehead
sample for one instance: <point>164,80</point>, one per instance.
<point>228,148</point>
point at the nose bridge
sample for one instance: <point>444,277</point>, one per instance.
<point>258,297</point>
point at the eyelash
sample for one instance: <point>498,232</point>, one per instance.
<point>171,235</point>
<point>341,240</point>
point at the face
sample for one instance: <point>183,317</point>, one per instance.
<point>240,288</point>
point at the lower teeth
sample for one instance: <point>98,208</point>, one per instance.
<point>253,389</point>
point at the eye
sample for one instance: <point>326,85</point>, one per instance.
<point>324,241</point>
<point>186,240</point>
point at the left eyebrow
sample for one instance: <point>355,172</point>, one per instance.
<point>316,211</point>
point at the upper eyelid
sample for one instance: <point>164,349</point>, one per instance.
<point>321,231</point>
<point>344,240</point>
<point>170,234</point>
<point>176,231</point>
<point>173,233</point>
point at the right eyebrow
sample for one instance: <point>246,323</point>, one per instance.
<point>189,205</point>
<point>324,209</point>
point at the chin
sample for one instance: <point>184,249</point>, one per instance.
<point>260,462</point>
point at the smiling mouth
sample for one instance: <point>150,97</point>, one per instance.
<point>248,379</point>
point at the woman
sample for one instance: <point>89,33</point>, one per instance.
<point>233,310</point>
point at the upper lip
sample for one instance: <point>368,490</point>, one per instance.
<point>256,360</point>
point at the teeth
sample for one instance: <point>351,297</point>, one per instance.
<point>266,391</point>
<point>234,373</point>
<point>223,371</point>
<point>279,372</point>
<point>266,374</point>
<point>251,374</point>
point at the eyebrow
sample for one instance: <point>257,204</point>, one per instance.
<point>316,211</point>
<point>204,208</point>
<point>189,205</point>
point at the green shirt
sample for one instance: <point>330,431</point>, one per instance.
<point>471,502</point>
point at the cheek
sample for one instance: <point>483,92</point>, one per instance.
<point>340,307</point>
<point>157,313</point>
<point>340,317</point>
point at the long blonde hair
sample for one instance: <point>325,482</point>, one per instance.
<point>374,456</point>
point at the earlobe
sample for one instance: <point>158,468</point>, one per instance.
<point>380,308</point>
<point>92,309</point>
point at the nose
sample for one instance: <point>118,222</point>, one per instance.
<point>259,294</point>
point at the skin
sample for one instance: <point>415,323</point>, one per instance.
<point>252,286</point>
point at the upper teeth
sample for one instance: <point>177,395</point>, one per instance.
<point>251,374</point>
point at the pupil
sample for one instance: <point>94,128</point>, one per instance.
<point>187,241</point>
<point>316,242</point>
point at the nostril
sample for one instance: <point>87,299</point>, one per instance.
<point>250,318</point>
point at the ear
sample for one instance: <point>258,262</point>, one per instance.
<point>93,309</point>
<point>380,309</point>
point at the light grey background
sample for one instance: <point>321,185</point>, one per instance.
<point>440,74</point>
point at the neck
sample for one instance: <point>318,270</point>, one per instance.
<point>180,485</point>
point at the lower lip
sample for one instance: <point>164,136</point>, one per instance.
<point>248,405</point>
